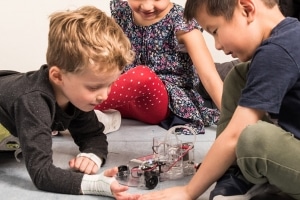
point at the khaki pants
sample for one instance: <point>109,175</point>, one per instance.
<point>9,142</point>
<point>265,152</point>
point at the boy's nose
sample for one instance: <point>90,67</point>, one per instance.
<point>218,46</point>
<point>102,95</point>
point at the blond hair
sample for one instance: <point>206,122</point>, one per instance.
<point>87,36</point>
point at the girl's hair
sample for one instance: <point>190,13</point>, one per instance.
<point>87,36</point>
<point>223,8</point>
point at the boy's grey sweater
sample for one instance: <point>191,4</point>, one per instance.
<point>29,111</point>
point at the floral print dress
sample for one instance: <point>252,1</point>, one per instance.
<point>157,47</point>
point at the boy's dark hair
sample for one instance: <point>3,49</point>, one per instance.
<point>290,8</point>
<point>223,8</point>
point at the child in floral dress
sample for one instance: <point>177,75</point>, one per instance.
<point>171,56</point>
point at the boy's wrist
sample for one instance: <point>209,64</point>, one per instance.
<point>97,184</point>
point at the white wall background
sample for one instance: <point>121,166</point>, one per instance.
<point>24,30</point>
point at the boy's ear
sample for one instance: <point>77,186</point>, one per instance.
<point>55,75</point>
<point>248,7</point>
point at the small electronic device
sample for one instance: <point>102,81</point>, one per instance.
<point>171,159</point>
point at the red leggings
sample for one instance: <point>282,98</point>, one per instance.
<point>138,94</point>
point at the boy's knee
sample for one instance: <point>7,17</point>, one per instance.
<point>259,144</point>
<point>254,139</point>
<point>238,72</point>
<point>251,150</point>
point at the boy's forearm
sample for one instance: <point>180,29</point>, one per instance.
<point>222,153</point>
<point>217,161</point>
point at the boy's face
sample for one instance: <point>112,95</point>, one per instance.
<point>235,37</point>
<point>86,89</point>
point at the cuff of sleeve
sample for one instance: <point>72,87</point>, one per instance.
<point>93,157</point>
<point>97,184</point>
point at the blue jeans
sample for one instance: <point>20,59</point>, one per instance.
<point>265,152</point>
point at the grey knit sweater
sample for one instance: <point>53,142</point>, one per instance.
<point>29,111</point>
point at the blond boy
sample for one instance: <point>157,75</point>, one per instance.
<point>87,51</point>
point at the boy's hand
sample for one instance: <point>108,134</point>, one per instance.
<point>119,191</point>
<point>105,184</point>
<point>175,193</point>
<point>84,165</point>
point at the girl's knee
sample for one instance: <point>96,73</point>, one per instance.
<point>143,75</point>
<point>140,69</point>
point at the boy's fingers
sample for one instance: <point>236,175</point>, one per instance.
<point>117,188</point>
<point>111,172</point>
